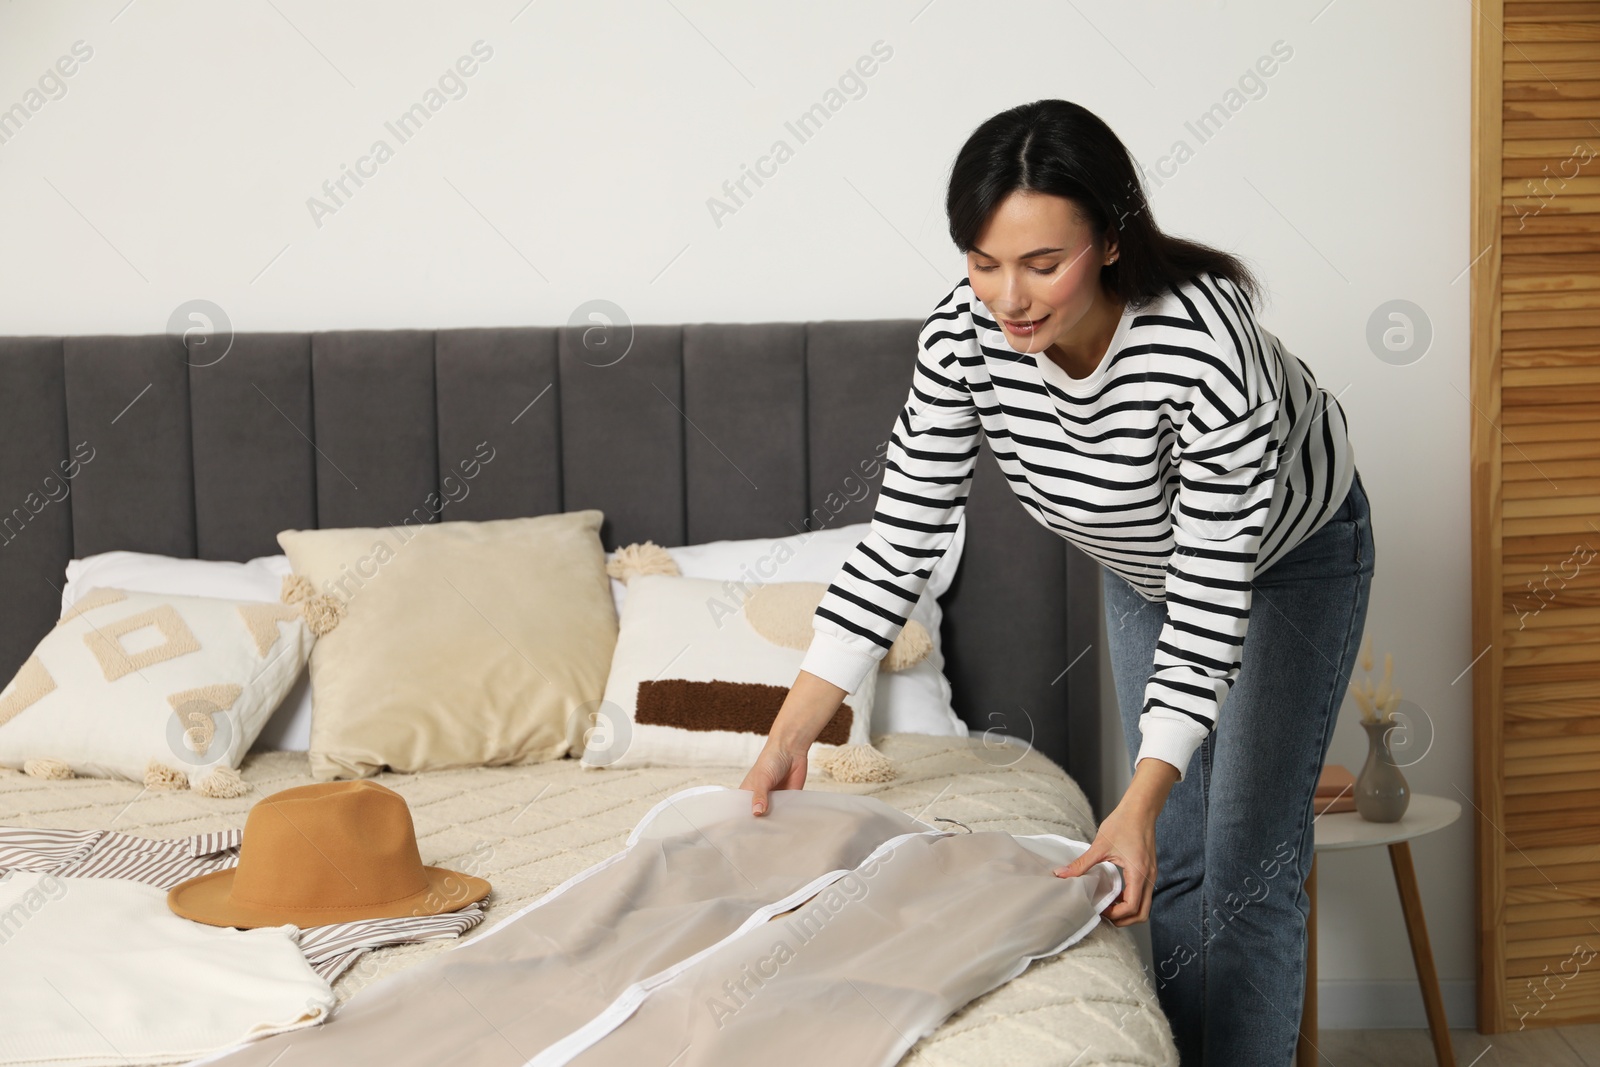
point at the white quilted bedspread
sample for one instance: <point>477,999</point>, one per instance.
<point>527,829</point>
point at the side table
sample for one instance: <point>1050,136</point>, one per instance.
<point>1346,830</point>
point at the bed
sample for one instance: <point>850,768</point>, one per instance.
<point>680,434</point>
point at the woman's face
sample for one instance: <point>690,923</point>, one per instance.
<point>1036,265</point>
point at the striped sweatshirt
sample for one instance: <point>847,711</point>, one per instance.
<point>1198,453</point>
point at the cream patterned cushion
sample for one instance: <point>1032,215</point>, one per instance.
<point>164,689</point>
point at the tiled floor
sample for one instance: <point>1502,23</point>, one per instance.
<point>1567,1046</point>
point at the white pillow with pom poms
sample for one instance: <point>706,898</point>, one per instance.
<point>158,688</point>
<point>915,699</point>
<point>697,676</point>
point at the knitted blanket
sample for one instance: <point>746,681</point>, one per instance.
<point>527,829</point>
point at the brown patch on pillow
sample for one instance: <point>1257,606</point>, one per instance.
<point>744,707</point>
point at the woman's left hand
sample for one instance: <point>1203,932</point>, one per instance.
<point>1127,838</point>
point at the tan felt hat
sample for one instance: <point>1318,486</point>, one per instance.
<point>331,852</point>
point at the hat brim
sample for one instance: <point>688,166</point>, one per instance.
<point>206,899</point>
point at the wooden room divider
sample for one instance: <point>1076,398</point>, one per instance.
<point>1536,509</point>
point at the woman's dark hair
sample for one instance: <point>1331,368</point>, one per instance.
<point>1062,148</point>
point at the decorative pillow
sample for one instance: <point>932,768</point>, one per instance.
<point>463,643</point>
<point>260,579</point>
<point>914,700</point>
<point>788,624</point>
<point>698,676</point>
<point>165,689</point>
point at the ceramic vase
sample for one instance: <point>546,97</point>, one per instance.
<point>1382,794</point>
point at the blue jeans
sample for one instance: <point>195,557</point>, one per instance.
<point>1234,841</point>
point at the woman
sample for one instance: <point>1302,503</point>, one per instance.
<point>1138,410</point>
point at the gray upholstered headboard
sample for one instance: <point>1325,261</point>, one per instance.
<point>702,432</point>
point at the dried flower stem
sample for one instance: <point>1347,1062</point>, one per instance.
<point>1377,704</point>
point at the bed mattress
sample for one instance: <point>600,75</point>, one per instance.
<point>527,829</point>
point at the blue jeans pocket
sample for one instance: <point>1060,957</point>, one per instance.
<point>1340,548</point>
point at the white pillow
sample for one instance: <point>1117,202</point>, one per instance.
<point>261,579</point>
<point>127,679</point>
<point>915,700</point>
<point>699,672</point>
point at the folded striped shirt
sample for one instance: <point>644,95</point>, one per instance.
<point>331,949</point>
<point>1198,453</point>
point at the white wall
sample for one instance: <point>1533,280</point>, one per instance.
<point>579,164</point>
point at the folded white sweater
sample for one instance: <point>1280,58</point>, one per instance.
<point>100,971</point>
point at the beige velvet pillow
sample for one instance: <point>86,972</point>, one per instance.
<point>462,643</point>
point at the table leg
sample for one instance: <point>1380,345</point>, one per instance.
<point>1306,1051</point>
<point>1405,878</point>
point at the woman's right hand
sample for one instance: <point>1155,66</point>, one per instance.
<point>807,707</point>
<point>775,768</point>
